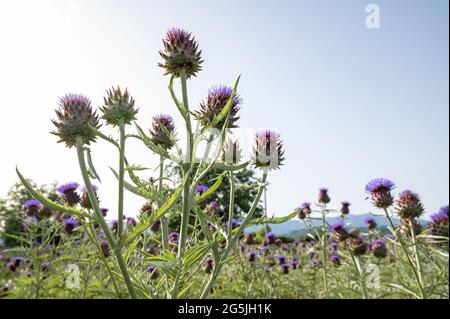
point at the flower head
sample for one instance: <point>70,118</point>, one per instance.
<point>345,210</point>
<point>69,192</point>
<point>378,247</point>
<point>304,210</point>
<point>85,199</point>
<point>444,210</point>
<point>439,224</point>
<point>155,227</point>
<point>336,260</point>
<point>217,99</point>
<point>70,224</point>
<point>281,259</point>
<point>180,54</point>
<point>408,205</point>
<point>270,237</point>
<point>370,222</point>
<point>380,190</point>
<point>268,151</point>
<point>162,132</point>
<point>118,107</point>
<point>284,268</point>
<point>324,198</point>
<point>32,207</point>
<point>356,245</point>
<point>75,119</point>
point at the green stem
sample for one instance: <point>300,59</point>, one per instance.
<point>233,240</point>
<point>164,221</point>
<point>94,202</point>
<point>357,264</point>
<point>121,180</point>
<point>186,205</point>
<point>416,251</point>
<point>408,257</point>
<point>231,206</point>
<point>324,252</point>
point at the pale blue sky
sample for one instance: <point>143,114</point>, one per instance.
<point>351,103</point>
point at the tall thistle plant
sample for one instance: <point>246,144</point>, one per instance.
<point>210,239</point>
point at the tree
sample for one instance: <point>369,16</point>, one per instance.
<point>12,210</point>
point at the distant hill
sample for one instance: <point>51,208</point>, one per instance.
<point>296,228</point>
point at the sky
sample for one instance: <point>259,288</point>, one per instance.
<point>351,103</point>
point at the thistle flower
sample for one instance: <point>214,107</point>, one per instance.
<point>345,210</point>
<point>268,151</point>
<point>70,224</point>
<point>252,256</point>
<point>213,208</point>
<point>104,245</point>
<point>439,224</point>
<point>281,259</point>
<point>316,263</point>
<point>200,189</point>
<point>85,200</point>
<point>444,210</point>
<point>146,209</point>
<point>218,97</point>
<point>294,264</point>
<point>234,224</point>
<point>408,205</point>
<point>156,226</point>
<point>339,231</point>
<point>153,271</point>
<point>304,210</point>
<point>249,238</point>
<point>378,247</point>
<point>335,260</point>
<point>118,107</point>
<point>131,222</point>
<point>173,237</point>
<point>180,54</point>
<point>370,222</point>
<point>104,211</point>
<point>209,265</point>
<point>44,266</point>
<point>69,191</point>
<point>75,118</point>
<point>323,196</point>
<point>356,245</point>
<point>232,152</point>
<point>162,132</point>
<point>284,268</point>
<point>32,207</point>
<point>380,191</point>
<point>270,237</point>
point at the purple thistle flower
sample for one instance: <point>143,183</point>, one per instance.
<point>200,189</point>
<point>75,119</point>
<point>284,268</point>
<point>162,132</point>
<point>252,256</point>
<point>85,199</point>
<point>218,97</point>
<point>69,191</point>
<point>324,198</point>
<point>234,224</point>
<point>380,190</point>
<point>70,224</point>
<point>439,218</point>
<point>180,54</point>
<point>209,265</point>
<point>104,211</point>
<point>173,237</point>
<point>131,222</point>
<point>32,207</point>
<point>345,209</point>
<point>281,259</point>
<point>213,208</point>
<point>31,220</point>
<point>155,227</point>
<point>370,222</point>
<point>336,260</point>
<point>444,210</point>
<point>268,151</point>
<point>294,264</point>
<point>153,271</point>
<point>104,245</point>
<point>339,231</point>
<point>270,237</point>
<point>408,205</point>
<point>304,210</point>
<point>378,247</point>
<point>315,263</point>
